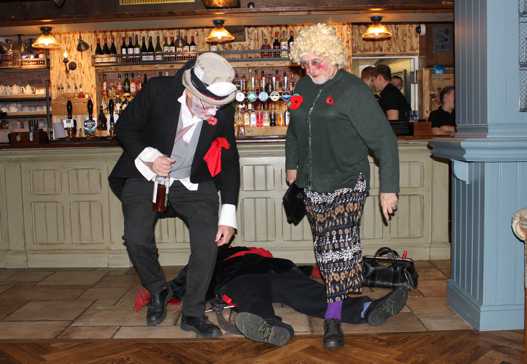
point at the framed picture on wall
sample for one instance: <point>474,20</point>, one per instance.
<point>442,38</point>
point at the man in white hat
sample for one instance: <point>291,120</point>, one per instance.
<point>180,129</point>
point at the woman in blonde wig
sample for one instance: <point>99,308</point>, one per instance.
<point>335,121</point>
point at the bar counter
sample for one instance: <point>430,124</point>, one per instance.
<point>56,209</point>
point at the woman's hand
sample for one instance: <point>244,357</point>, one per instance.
<point>388,201</point>
<point>291,176</point>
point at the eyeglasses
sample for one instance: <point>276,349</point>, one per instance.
<point>316,63</point>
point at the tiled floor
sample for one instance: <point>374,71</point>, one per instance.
<point>98,304</point>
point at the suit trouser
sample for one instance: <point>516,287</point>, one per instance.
<point>256,293</point>
<point>198,210</point>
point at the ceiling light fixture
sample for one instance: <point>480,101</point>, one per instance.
<point>219,34</point>
<point>46,40</point>
<point>376,30</point>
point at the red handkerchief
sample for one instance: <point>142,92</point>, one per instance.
<point>213,155</point>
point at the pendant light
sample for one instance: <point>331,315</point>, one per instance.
<point>46,40</point>
<point>376,30</point>
<point>219,34</point>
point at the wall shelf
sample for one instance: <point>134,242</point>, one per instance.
<point>24,115</point>
<point>21,98</point>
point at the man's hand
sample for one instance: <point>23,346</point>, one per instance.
<point>388,203</point>
<point>291,176</point>
<point>224,235</point>
<point>162,165</point>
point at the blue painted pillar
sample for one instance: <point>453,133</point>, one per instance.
<point>489,163</point>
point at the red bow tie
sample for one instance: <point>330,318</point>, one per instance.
<point>213,155</point>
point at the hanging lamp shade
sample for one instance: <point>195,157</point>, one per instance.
<point>376,30</point>
<point>46,40</point>
<point>219,34</point>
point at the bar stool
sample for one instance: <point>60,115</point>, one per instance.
<point>519,226</point>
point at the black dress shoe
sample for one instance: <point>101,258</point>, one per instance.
<point>258,329</point>
<point>200,325</point>
<point>391,304</point>
<point>333,336</point>
<point>157,308</point>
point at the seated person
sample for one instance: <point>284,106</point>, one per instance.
<point>397,82</point>
<point>444,118</point>
<point>252,280</point>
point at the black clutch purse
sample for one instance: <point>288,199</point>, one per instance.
<point>293,202</point>
<point>387,270</point>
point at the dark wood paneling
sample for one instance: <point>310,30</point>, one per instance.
<point>435,47</point>
<point>27,12</point>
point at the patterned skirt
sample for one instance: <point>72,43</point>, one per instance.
<point>335,224</point>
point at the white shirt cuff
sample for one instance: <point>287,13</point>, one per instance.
<point>228,215</point>
<point>148,155</point>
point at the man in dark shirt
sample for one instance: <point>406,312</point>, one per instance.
<point>391,100</point>
<point>444,118</point>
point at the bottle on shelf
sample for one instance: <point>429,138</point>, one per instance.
<point>166,50</point>
<point>151,50</point>
<point>144,50</point>
<point>186,48</point>
<point>265,49</point>
<point>137,50</point>
<point>124,51</point>
<point>133,85</point>
<point>193,48</point>
<point>113,52</point>
<point>172,50</point>
<point>130,51</point>
<point>284,45</point>
<point>102,123</point>
<point>291,40</point>
<point>126,84</point>
<point>111,117</point>
<point>276,46</point>
<point>98,52</point>
<point>158,51</point>
<point>106,51</point>
<point>179,47</point>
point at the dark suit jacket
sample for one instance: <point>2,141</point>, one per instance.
<point>151,120</point>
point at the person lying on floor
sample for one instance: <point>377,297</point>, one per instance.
<point>252,280</point>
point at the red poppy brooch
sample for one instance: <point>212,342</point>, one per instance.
<point>295,102</point>
<point>212,120</point>
<point>330,100</point>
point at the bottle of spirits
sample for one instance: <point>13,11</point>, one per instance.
<point>102,122</point>
<point>151,50</point>
<point>124,51</point>
<point>98,52</point>
<point>158,50</point>
<point>193,48</point>
<point>284,46</point>
<point>137,50</point>
<point>130,50</point>
<point>179,47</point>
<point>291,40</point>
<point>113,52</point>
<point>186,48</point>
<point>133,85</point>
<point>144,51</point>
<point>276,45</point>
<point>172,50</point>
<point>126,84</point>
<point>166,50</point>
<point>112,120</point>
<point>264,53</point>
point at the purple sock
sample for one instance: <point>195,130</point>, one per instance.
<point>334,311</point>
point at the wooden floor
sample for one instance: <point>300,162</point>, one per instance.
<point>427,348</point>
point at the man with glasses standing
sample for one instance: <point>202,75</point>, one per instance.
<point>180,129</point>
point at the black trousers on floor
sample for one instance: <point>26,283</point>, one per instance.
<point>199,211</point>
<point>256,293</point>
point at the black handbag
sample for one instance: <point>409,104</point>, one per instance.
<point>387,270</point>
<point>293,202</point>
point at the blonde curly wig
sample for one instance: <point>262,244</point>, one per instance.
<point>320,39</point>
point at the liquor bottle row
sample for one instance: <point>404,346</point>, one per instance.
<point>124,85</point>
<point>134,52</point>
<point>262,86</point>
<point>170,48</point>
<point>261,114</point>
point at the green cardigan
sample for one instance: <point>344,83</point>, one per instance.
<point>329,145</point>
